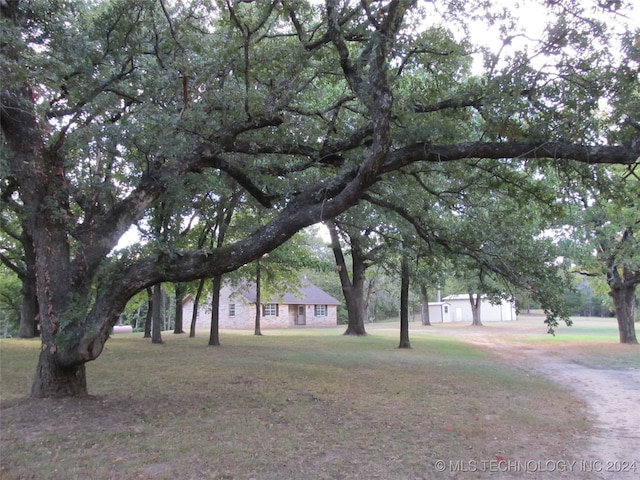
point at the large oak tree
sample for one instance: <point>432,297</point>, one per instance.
<point>108,105</point>
<point>604,242</point>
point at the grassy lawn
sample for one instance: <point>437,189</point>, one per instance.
<point>591,341</point>
<point>595,343</point>
<point>293,404</point>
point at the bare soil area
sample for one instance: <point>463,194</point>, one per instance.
<point>604,374</point>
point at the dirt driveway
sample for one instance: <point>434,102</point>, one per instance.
<point>605,374</point>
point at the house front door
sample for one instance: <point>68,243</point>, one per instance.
<point>300,320</point>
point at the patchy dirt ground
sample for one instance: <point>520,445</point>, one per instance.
<point>609,386</point>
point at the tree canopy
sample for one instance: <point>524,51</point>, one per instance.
<point>110,108</point>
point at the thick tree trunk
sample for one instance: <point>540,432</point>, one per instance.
<point>54,381</point>
<point>624,304</point>
<point>355,311</point>
<point>214,333</point>
<point>475,310</point>
<point>45,196</point>
<point>404,304</point>
<point>60,371</point>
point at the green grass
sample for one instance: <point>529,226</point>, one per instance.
<point>590,341</point>
<point>292,404</point>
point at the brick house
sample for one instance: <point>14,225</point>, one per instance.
<point>308,307</point>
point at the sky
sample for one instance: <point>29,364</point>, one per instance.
<point>533,17</point>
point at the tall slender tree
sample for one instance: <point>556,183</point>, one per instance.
<point>179,292</point>
<point>157,315</point>
<point>149,317</point>
<point>214,330</point>
<point>257,328</point>
<point>405,277</point>
<point>196,303</point>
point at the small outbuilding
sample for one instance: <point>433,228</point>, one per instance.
<point>457,308</point>
<point>439,312</point>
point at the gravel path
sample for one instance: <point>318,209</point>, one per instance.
<point>612,396</point>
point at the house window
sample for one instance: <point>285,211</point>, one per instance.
<point>446,309</point>
<point>270,310</point>
<point>232,309</point>
<point>320,311</point>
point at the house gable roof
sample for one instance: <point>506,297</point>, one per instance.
<point>307,294</point>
